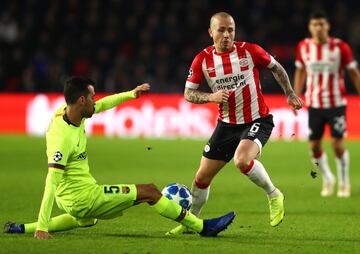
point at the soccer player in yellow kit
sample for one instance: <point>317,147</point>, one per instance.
<point>76,192</point>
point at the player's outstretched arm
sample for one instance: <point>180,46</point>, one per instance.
<point>111,101</point>
<point>53,179</point>
<point>283,79</point>
<point>354,74</point>
<point>198,97</point>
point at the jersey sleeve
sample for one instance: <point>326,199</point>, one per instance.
<point>260,56</point>
<point>347,60</point>
<point>59,149</point>
<point>196,75</point>
<point>111,101</point>
<point>299,62</point>
<point>53,179</point>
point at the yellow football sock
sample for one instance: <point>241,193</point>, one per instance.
<point>174,211</point>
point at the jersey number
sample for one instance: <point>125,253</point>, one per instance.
<point>111,189</point>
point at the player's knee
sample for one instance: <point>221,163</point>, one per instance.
<point>316,150</point>
<point>315,147</point>
<point>202,181</point>
<point>338,148</point>
<point>339,151</point>
<point>242,163</point>
<point>87,222</point>
<point>151,188</point>
<point>154,193</point>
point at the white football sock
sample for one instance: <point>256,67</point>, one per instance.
<point>258,175</point>
<point>342,166</point>
<point>323,165</point>
<point>199,198</point>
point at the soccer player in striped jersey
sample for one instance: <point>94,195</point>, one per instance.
<point>76,192</point>
<point>231,69</point>
<point>321,61</point>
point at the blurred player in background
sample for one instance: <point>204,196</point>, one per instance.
<point>76,192</point>
<point>321,60</point>
<point>231,69</point>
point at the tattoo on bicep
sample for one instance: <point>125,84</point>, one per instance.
<point>196,97</point>
<point>282,78</point>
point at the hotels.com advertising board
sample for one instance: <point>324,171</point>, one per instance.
<point>154,115</point>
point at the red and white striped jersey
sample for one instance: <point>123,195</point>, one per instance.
<point>235,71</point>
<point>325,64</point>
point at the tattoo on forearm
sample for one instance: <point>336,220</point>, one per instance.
<point>283,79</point>
<point>196,96</point>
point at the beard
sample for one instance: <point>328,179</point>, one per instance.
<point>89,114</point>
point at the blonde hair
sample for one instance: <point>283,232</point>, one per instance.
<point>221,14</point>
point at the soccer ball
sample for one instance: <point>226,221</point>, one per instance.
<point>179,193</point>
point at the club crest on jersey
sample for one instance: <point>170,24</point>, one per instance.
<point>243,62</point>
<point>57,156</point>
<point>210,70</point>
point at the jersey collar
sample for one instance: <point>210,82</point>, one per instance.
<point>66,119</point>
<point>224,53</point>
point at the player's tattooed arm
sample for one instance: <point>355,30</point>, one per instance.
<point>283,79</point>
<point>195,96</point>
<point>198,97</point>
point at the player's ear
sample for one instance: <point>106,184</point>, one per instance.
<point>210,32</point>
<point>82,100</point>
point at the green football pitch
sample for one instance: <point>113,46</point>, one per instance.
<point>311,225</point>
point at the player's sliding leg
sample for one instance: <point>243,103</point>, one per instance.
<point>200,189</point>
<point>255,171</point>
<point>59,223</point>
<point>171,210</point>
<point>320,159</point>
<point>174,211</point>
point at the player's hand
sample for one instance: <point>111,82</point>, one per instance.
<point>295,102</point>
<point>42,235</point>
<point>141,88</point>
<point>219,97</point>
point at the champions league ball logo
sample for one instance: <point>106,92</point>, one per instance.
<point>57,156</point>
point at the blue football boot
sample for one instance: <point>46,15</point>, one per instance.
<point>214,226</point>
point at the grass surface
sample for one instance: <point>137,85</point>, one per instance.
<point>312,224</point>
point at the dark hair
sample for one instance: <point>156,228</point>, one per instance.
<point>319,14</point>
<point>76,87</point>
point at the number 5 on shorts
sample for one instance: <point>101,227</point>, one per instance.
<point>111,189</point>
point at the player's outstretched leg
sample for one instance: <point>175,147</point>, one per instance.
<point>59,223</point>
<point>171,210</point>
<point>207,228</point>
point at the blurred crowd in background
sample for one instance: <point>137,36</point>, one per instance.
<point>123,43</point>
